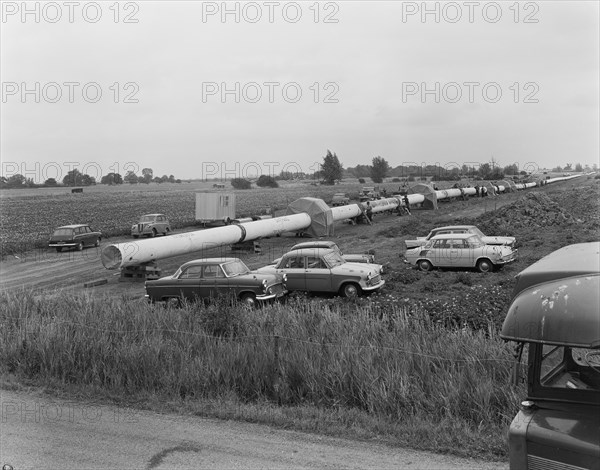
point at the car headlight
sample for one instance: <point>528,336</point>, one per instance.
<point>264,284</point>
<point>285,278</point>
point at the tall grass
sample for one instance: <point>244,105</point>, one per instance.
<point>332,355</point>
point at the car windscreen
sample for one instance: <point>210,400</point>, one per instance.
<point>147,218</point>
<point>235,268</point>
<point>333,259</point>
<point>476,231</point>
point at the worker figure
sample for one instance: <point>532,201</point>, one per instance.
<point>406,204</point>
<point>369,211</point>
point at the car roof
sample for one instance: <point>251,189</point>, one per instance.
<point>310,251</point>
<point>72,226</point>
<point>446,236</point>
<point>313,244</point>
<point>454,227</point>
<point>150,215</point>
<point>209,261</point>
<point>557,299</point>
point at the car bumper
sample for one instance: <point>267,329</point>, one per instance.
<point>508,259</point>
<point>379,285</point>
<point>57,244</point>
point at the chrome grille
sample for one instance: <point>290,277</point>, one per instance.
<point>535,462</point>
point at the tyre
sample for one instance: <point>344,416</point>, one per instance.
<point>350,290</point>
<point>135,236</point>
<point>248,300</point>
<point>425,265</point>
<point>153,233</point>
<point>167,231</point>
<point>173,302</point>
<point>485,265</point>
<point>80,246</point>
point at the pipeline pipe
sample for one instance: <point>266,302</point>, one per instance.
<point>144,251</point>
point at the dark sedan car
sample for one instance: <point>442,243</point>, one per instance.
<point>210,277</point>
<point>74,236</point>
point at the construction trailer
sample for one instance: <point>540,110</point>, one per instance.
<point>215,206</point>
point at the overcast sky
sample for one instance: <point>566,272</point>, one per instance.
<point>213,89</point>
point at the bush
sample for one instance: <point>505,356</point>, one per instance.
<point>265,181</point>
<point>240,183</point>
<point>396,180</point>
<point>361,180</point>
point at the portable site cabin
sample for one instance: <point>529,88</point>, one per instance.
<point>215,206</point>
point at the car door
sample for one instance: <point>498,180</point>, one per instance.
<point>293,267</point>
<point>88,235</point>
<point>188,284</point>
<point>79,235</point>
<point>317,275</point>
<point>437,253</point>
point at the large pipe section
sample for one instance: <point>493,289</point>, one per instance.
<point>144,251</point>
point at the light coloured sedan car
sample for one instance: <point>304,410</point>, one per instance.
<point>324,270</point>
<point>328,244</point>
<point>460,250</point>
<point>151,225</point>
<point>491,240</point>
<point>210,277</point>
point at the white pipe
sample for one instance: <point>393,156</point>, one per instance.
<point>144,251</point>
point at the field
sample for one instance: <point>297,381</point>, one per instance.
<point>419,364</point>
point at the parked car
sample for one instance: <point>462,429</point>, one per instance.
<point>460,250</point>
<point>151,225</point>
<point>554,319</point>
<point>369,193</point>
<point>74,236</point>
<point>324,270</point>
<point>328,244</point>
<point>210,277</point>
<point>491,240</point>
<point>340,199</point>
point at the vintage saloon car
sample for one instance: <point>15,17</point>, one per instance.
<point>340,199</point>
<point>211,277</point>
<point>324,270</point>
<point>74,236</point>
<point>420,241</point>
<point>555,313</point>
<point>151,225</point>
<point>460,250</point>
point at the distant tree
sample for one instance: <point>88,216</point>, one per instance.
<point>332,168</point>
<point>147,175</point>
<point>156,179</point>
<point>16,181</point>
<point>557,169</point>
<point>511,169</point>
<point>361,180</point>
<point>131,177</point>
<point>240,183</point>
<point>111,178</point>
<point>50,182</point>
<point>265,181</point>
<point>178,181</point>
<point>171,179</point>
<point>164,179</point>
<point>87,180</point>
<point>568,167</point>
<point>578,167</point>
<point>379,169</point>
<point>73,178</point>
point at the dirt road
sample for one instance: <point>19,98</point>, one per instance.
<point>41,432</point>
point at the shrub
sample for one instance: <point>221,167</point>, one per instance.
<point>361,180</point>
<point>396,180</point>
<point>267,181</point>
<point>240,183</point>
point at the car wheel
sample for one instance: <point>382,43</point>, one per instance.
<point>485,266</point>
<point>167,231</point>
<point>80,246</point>
<point>173,302</point>
<point>135,236</point>
<point>248,300</point>
<point>350,290</point>
<point>153,233</point>
<point>425,265</point>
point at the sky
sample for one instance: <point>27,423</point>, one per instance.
<point>235,89</point>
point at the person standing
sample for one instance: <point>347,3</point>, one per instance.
<point>369,212</point>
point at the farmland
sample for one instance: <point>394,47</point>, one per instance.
<point>418,364</point>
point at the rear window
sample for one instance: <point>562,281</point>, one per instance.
<point>63,232</point>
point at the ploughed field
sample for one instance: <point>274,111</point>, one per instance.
<point>417,364</point>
